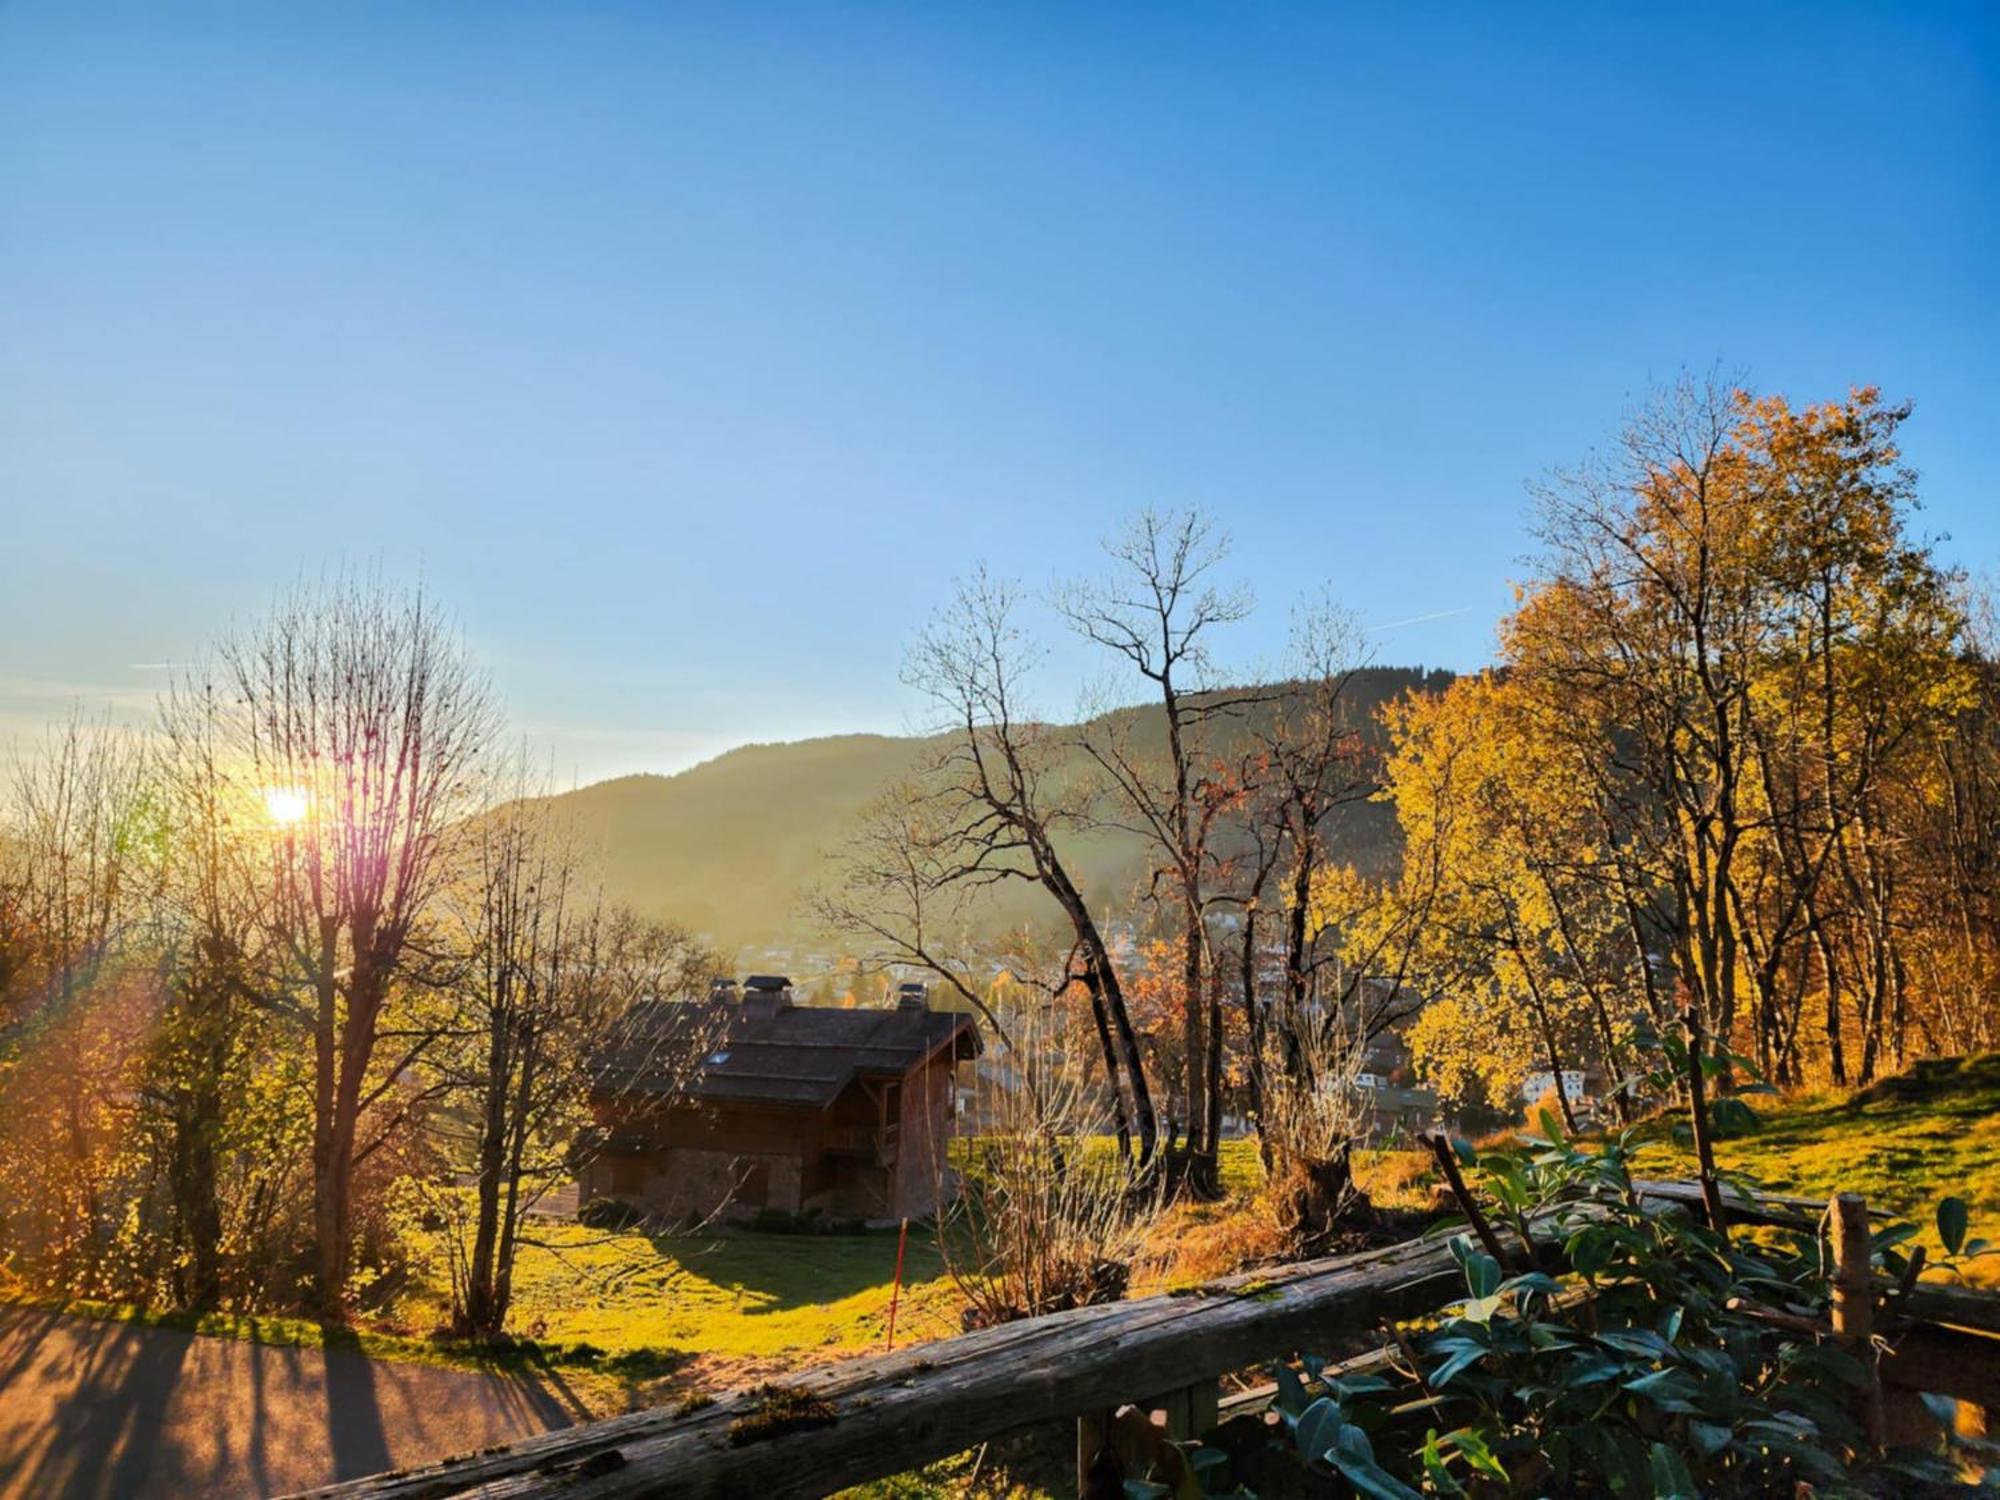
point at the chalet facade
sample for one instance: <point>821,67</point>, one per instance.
<point>790,1108</point>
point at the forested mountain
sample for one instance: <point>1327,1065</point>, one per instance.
<point>732,847</point>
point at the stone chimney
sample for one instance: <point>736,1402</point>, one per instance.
<point>764,995</point>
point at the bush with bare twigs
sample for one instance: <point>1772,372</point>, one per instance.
<point>1315,1116</point>
<point>1048,1217</point>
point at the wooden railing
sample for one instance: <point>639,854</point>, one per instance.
<point>871,1417</point>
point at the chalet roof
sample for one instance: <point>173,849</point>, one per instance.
<point>800,1055</point>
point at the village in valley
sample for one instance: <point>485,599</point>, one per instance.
<point>997,753</point>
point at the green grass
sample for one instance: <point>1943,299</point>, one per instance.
<point>1905,1143</point>
<point>717,1308</point>
<point>1240,1167</point>
<point>622,1311</point>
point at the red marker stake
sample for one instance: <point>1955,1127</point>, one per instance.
<point>896,1294</point>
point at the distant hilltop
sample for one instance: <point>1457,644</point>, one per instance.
<point>734,846</point>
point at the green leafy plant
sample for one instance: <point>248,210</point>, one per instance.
<point>1660,1366</point>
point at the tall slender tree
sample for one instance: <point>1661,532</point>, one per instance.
<point>354,719</point>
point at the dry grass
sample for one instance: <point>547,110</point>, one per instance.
<point>1400,1180</point>
<point>1194,1243</point>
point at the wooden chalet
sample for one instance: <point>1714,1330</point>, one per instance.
<point>791,1108</point>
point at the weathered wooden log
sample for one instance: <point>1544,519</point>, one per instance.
<point>1947,1361</point>
<point>1955,1306</point>
<point>1773,1210</point>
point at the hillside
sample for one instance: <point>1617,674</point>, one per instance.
<point>734,846</point>
<point>1905,1143</point>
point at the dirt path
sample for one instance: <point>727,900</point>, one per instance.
<point>104,1411</point>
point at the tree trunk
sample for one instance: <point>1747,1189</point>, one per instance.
<point>481,1317</point>
<point>1194,1041</point>
<point>197,1113</point>
<point>329,1269</point>
<point>1253,1032</point>
<point>336,1128</point>
<point>1547,1028</point>
<point>1316,1199</point>
<point>1126,1066</point>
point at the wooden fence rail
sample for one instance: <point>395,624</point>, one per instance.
<point>871,1417</point>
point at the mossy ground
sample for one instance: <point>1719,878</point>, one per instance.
<point>719,1310</point>
<point>1905,1143</point>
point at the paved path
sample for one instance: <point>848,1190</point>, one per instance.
<point>106,1411</point>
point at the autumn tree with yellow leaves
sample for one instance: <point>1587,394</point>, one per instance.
<point>1734,733</point>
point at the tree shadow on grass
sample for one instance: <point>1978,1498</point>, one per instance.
<point>785,1272</point>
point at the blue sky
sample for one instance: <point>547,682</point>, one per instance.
<point>688,351</point>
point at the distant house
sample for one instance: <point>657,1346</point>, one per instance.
<point>1394,1111</point>
<point>1576,1086</point>
<point>791,1108</point>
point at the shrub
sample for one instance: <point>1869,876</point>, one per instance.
<point>1650,1373</point>
<point>1047,1218</point>
<point>1315,1114</point>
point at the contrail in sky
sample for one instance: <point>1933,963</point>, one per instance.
<point>1443,614</point>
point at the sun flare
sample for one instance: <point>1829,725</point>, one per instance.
<point>286,805</point>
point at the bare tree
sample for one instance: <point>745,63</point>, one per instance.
<point>353,716</point>
<point>1156,611</point>
<point>548,971</point>
<point>1317,761</point>
<point>1315,1115</point>
<point>993,804</point>
<point>77,855</point>
<point>899,887</point>
<point>1047,1219</point>
<point>217,971</point>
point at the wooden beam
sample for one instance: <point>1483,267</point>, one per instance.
<point>1955,1306</point>
<point>1947,1361</point>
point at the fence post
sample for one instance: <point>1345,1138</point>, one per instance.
<point>1854,1302</point>
<point>896,1295</point>
<point>1092,1430</point>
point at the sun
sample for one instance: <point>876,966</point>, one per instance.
<point>286,805</point>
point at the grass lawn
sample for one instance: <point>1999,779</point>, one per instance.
<point>712,1311</point>
<point>715,1310</point>
<point>1904,1143</point>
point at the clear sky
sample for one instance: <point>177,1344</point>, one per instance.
<point>687,351</point>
